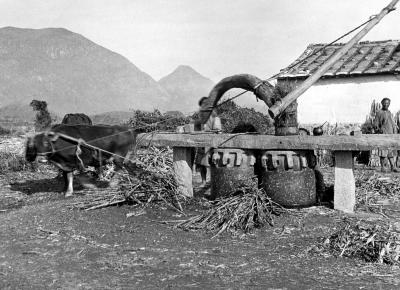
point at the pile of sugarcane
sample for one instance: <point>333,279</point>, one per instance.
<point>150,177</point>
<point>98,199</point>
<point>371,188</point>
<point>247,208</point>
<point>371,242</point>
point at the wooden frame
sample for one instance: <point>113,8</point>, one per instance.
<point>344,195</point>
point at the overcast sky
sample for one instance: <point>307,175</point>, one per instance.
<point>218,38</point>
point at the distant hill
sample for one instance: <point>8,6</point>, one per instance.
<point>71,73</point>
<point>185,87</point>
<point>17,113</point>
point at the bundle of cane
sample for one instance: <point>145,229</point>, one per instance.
<point>247,208</point>
<point>152,178</point>
<point>369,241</point>
<point>371,188</point>
<point>148,178</point>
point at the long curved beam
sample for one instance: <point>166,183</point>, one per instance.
<point>263,90</point>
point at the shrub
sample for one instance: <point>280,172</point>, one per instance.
<point>4,131</point>
<point>233,115</point>
<point>43,118</point>
<point>144,121</point>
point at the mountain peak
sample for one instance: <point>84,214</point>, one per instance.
<point>186,86</point>
<point>187,72</point>
<point>184,73</point>
<point>185,69</point>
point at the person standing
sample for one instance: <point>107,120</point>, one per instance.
<point>213,124</point>
<point>384,124</point>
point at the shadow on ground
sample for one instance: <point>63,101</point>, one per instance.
<point>39,185</point>
<point>46,185</point>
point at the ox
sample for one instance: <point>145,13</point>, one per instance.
<point>68,154</point>
<point>76,119</point>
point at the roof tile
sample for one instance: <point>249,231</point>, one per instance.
<point>370,57</point>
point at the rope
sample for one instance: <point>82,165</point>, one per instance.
<point>78,153</point>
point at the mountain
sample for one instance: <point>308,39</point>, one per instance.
<point>185,87</point>
<point>71,73</point>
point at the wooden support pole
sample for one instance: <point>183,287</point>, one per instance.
<point>345,186</point>
<point>182,164</point>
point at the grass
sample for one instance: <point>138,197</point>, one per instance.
<point>10,161</point>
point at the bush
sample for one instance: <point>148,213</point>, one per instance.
<point>144,121</point>
<point>233,116</point>
<point>4,131</point>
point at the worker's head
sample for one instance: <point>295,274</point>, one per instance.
<point>385,103</point>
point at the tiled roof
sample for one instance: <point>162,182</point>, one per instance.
<point>365,58</point>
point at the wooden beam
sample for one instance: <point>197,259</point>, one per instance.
<point>345,188</point>
<point>182,164</point>
<point>253,141</point>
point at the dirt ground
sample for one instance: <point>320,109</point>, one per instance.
<point>46,244</point>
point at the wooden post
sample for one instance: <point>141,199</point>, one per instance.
<point>182,162</point>
<point>345,187</point>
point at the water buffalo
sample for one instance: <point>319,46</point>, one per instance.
<point>65,153</point>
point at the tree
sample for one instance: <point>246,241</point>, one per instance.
<point>43,118</point>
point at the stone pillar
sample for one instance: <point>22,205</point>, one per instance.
<point>345,186</point>
<point>182,164</point>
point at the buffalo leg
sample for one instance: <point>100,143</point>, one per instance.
<point>119,166</point>
<point>68,179</point>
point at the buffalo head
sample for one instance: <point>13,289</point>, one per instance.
<point>37,145</point>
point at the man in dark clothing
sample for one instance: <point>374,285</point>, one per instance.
<point>213,124</point>
<point>384,124</point>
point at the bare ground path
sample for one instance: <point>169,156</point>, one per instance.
<point>46,245</point>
